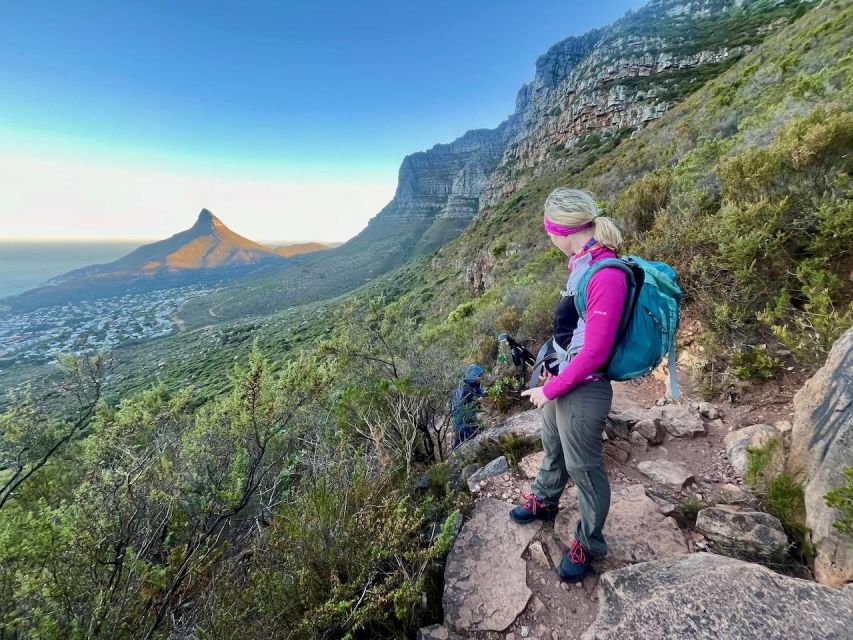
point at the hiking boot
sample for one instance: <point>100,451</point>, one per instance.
<point>575,563</point>
<point>533,509</point>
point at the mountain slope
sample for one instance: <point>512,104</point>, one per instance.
<point>667,173</point>
<point>437,196</point>
<point>298,248</point>
<point>208,244</point>
<point>744,187</point>
<point>206,252</point>
<point>601,85</point>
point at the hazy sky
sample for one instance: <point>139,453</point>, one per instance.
<point>288,120</point>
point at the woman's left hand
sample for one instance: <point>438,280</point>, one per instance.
<point>536,396</point>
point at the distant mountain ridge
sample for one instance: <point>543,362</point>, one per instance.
<point>208,244</point>
<point>602,85</point>
<point>299,248</point>
<point>206,252</point>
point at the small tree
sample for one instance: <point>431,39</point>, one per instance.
<point>30,437</point>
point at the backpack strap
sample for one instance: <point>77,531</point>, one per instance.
<point>633,275</point>
<point>633,290</point>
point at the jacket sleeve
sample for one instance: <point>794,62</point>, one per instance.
<point>605,300</point>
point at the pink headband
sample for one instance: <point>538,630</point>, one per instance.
<point>559,230</point>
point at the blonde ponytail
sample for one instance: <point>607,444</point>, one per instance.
<point>607,233</point>
<point>573,208</point>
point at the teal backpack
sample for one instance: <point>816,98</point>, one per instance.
<point>649,321</point>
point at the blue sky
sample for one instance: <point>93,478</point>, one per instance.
<point>215,97</point>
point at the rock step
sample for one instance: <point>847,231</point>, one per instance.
<point>485,578</point>
<point>704,596</point>
<point>746,534</point>
<point>635,529</point>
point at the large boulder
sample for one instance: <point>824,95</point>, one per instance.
<point>680,422</point>
<point>666,472</point>
<point>747,534</point>
<point>635,528</point>
<point>821,446</point>
<point>737,442</point>
<point>704,596</point>
<point>485,578</point>
<point>437,632</point>
<point>527,425</point>
<point>495,468</point>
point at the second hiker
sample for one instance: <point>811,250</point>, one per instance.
<point>464,404</point>
<point>576,402</point>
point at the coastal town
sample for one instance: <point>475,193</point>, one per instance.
<point>38,336</point>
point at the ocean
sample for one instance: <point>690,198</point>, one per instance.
<point>24,265</point>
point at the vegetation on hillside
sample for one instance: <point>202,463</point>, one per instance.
<point>744,188</point>
<point>288,475</point>
<point>284,508</point>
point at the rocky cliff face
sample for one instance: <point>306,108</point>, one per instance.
<point>614,79</point>
<point>623,77</point>
<point>620,77</point>
<point>447,180</point>
<point>821,448</point>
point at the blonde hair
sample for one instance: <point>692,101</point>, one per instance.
<point>573,208</point>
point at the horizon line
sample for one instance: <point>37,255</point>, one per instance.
<point>126,239</point>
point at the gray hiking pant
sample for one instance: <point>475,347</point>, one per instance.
<point>571,438</point>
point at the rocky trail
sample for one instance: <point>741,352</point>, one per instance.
<point>691,555</point>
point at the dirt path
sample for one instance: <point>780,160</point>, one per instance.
<point>649,519</point>
<point>180,323</point>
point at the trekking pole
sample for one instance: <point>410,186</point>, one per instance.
<point>521,357</point>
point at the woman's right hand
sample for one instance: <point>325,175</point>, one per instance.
<point>545,376</point>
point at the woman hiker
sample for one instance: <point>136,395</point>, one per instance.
<point>576,402</point>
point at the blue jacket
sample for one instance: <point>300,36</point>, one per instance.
<point>464,405</point>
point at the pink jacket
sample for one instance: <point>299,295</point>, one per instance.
<point>605,297</point>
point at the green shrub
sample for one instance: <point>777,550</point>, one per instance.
<point>841,498</point>
<point>688,510</point>
<point>749,175</point>
<point>754,363</point>
<point>511,446</point>
<point>811,328</point>
<point>786,500</point>
<point>464,310</point>
<point>348,557</point>
<point>484,350</point>
<point>782,495</point>
<point>537,320</point>
<point>502,394</point>
<point>499,248</point>
<point>508,321</point>
<point>834,235</point>
<point>763,461</point>
<point>637,205</point>
<point>820,137</point>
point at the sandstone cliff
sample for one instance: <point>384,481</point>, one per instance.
<point>608,82</point>
<point>438,190</point>
<point>615,79</point>
<point>446,181</point>
<point>624,76</point>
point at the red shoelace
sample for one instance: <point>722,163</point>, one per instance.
<point>576,552</point>
<point>531,503</point>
